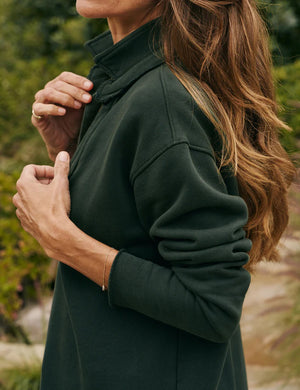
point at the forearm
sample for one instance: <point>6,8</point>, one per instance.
<point>76,249</point>
<point>48,187</point>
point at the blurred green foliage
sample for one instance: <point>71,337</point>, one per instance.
<point>39,40</point>
<point>23,264</point>
<point>22,377</point>
<point>287,78</point>
<point>283,21</point>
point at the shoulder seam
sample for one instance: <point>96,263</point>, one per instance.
<point>149,162</point>
<point>166,102</point>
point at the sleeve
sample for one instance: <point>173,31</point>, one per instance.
<point>197,226</point>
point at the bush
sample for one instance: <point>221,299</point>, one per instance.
<point>23,263</point>
<point>288,97</point>
<point>24,377</point>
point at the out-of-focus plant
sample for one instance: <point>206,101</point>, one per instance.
<point>25,376</point>
<point>23,263</point>
<point>39,40</point>
<point>287,78</point>
<point>283,21</point>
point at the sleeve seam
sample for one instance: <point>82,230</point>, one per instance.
<point>153,158</point>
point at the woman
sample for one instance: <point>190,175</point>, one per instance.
<point>176,188</point>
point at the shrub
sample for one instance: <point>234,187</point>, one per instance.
<point>23,263</point>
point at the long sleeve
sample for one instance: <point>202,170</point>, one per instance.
<point>143,180</point>
<point>198,228</point>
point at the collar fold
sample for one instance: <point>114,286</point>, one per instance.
<point>119,65</point>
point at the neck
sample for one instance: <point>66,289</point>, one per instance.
<point>120,26</point>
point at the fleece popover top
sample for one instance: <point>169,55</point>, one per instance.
<point>144,180</point>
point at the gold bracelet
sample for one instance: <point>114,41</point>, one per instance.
<point>103,285</point>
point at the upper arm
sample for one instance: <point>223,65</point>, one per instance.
<point>197,227</point>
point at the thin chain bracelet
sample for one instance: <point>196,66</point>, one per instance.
<point>103,284</point>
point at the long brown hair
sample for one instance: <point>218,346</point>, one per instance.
<point>225,64</point>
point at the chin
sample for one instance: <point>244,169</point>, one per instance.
<point>90,9</point>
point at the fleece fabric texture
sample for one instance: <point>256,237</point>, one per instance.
<point>144,180</point>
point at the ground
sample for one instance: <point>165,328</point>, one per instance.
<point>269,300</point>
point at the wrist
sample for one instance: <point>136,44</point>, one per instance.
<point>57,236</point>
<point>71,246</point>
<point>109,259</point>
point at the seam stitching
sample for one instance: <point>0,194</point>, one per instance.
<point>73,330</point>
<point>148,162</point>
<point>166,103</point>
<point>177,357</point>
<point>232,365</point>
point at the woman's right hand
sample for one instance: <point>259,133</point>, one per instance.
<point>60,105</point>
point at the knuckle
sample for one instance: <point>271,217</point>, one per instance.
<point>14,199</point>
<point>68,101</point>
<point>28,167</point>
<point>36,96</point>
<point>49,92</point>
<point>19,184</point>
<point>59,84</point>
<point>49,83</point>
<point>25,170</point>
<point>40,96</point>
<point>65,74</point>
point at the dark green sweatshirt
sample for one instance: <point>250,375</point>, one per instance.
<point>144,180</point>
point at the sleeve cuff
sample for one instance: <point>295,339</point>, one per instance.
<point>113,272</point>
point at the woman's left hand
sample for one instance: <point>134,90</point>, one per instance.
<point>43,199</point>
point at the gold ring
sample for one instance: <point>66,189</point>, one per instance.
<point>36,116</point>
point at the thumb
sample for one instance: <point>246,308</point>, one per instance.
<point>62,165</point>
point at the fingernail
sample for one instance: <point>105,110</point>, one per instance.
<point>61,110</point>
<point>77,104</point>
<point>86,97</point>
<point>63,156</point>
<point>87,84</point>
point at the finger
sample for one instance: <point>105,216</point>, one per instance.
<point>47,109</point>
<point>77,94</point>
<point>45,181</point>
<point>21,217</point>
<point>16,200</point>
<point>61,166</point>
<point>44,172</point>
<point>52,95</point>
<point>18,214</point>
<point>76,80</point>
<point>36,172</point>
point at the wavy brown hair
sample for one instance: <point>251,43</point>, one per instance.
<point>225,64</point>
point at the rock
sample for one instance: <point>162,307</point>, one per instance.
<point>34,320</point>
<point>12,355</point>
